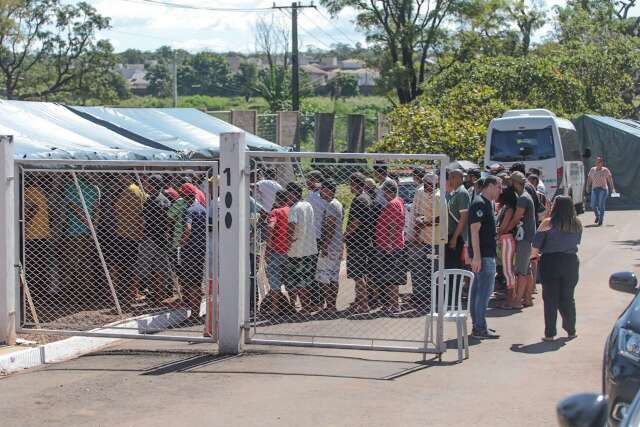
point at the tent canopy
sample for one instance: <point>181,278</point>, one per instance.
<point>618,142</point>
<point>46,130</point>
<point>186,130</point>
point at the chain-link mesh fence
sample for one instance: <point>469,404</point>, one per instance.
<point>268,127</point>
<point>118,249</point>
<point>345,251</point>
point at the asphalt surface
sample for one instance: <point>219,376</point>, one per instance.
<point>513,381</point>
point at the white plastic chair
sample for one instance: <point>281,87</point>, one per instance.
<point>454,280</point>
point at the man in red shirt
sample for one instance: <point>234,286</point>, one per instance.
<point>389,243</point>
<point>276,255</point>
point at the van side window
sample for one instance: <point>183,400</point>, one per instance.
<point>570,146</point>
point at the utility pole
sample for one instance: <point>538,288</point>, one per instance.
<point>174,70</point>
<point>295,65</point>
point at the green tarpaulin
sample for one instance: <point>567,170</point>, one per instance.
<point>618,142</point>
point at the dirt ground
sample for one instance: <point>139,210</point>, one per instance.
<point>513,381</point>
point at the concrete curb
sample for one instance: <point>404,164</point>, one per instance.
<point>73,347</point>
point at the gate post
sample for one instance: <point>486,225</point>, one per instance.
<point>7,242</point>
<point>234,226</point>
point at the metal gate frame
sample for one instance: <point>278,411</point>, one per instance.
<point>211,268</point>
<point>433,334</point>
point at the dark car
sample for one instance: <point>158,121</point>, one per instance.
<point>590,410</point>
<point>620,370</point>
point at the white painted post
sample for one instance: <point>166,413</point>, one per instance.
<point>233,242</point>
<point>7,242</point>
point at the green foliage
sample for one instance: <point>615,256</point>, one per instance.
<point>456,126</point>
<point>160,81</point>
<point>46,46</point>
<point>274,86</point>
<point>205,73</point>
<point>247,80</point>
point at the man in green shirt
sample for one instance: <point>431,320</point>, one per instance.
<point>458,202</point>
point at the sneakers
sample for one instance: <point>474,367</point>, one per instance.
<point>484,335</point>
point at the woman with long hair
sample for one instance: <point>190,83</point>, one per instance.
<point>508,201</point>
<point>557,240</point>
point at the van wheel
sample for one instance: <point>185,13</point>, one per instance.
<point>580,208</point>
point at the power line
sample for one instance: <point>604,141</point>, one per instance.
<point>322,31</point>
<point>308,34</point>
<point>194,7</point>
<point>335,26</point>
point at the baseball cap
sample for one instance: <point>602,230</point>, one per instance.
<point>518,177</point>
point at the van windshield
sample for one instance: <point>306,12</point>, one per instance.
<point>522,145</point>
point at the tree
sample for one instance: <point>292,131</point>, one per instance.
<point>101,84</point>
<point>344,85</point>
<point>246,80</point>
<point>132,56</point>
<point>457,126</point>
<point>205,73</point>
<point>160,81</point>
<point>274,83</point>
<point>528,17</point>
<point>409,32</point>
<point>47,45</point>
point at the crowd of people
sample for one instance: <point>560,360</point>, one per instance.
<point>151,230</point>
<point>501,224</point>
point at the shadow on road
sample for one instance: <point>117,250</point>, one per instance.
<point>628,242</point>
<point>325,366</point>
<point>539,347</point>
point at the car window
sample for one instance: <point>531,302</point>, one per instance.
<point>522,145</point>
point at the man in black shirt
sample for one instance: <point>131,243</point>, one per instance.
<point>482,235</point>
<point>358,240</point>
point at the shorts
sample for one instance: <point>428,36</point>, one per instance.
<point>300,272</point>
<point>523,258</point>
<point>388,268</point>
<point>358,262</point>
<point>328,268</point>
<point>153,259</point>
<point>126,252</point>
<point>276,269</point>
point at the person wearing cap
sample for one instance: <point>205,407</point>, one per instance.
<point>458,202</point>
<point>266,189</point>
<point>193,250</point>
<point>330,247</point>
<point>389,242</point>
<point>153,249</point>
<point>600,184</point>
<point>524,224</point>
<point>426,225</point>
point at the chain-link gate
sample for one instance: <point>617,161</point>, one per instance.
<point>345,249</point>
<point>119,249</point>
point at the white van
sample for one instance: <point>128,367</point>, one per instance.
<point>540,140</point>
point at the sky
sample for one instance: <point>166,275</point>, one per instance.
<point>140,25</point>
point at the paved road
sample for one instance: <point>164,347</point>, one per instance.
<point>512,381</point>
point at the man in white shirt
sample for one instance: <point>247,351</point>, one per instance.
<point>303,248</point>
<point>267,188</point>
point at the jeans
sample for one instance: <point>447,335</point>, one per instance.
<point>560,277</point>
<point>599,202</point>
<point>481,291</point>
<point>276,269</point>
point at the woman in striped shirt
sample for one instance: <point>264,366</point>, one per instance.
<point>600,183</point>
